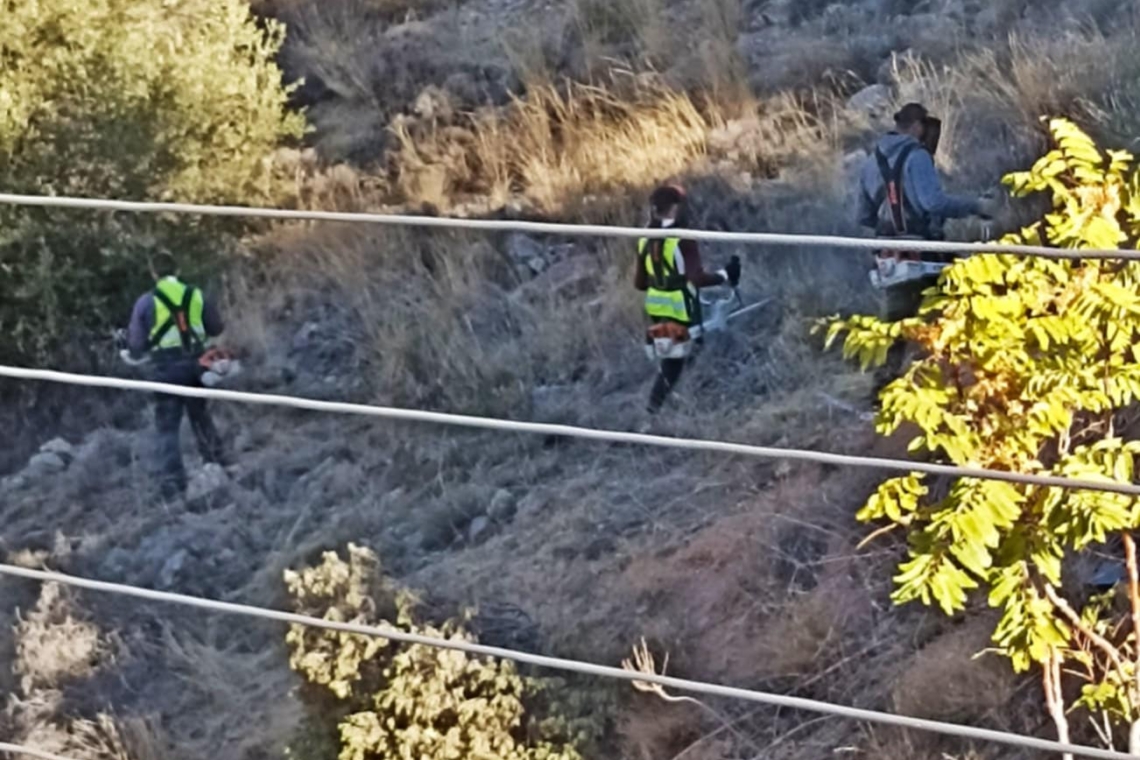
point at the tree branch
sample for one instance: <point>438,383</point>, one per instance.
<point>1095,638</point>
<point>1054,699</point>
<point>1134,603</point>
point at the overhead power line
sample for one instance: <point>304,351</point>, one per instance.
<point>569,431</point>
<point>573,666</point>
<point>568,230</point>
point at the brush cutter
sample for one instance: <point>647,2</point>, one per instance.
<point>900,276</point>
<point>670,340</point>
<point>218,365</point>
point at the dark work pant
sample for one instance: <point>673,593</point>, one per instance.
<point>168,422</point>
<point>667,376</point>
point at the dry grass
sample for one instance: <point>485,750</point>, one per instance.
<point>993,99</point>
<point>105,738</point>
<point>650,729</point>
<point>443,320</point>
<point>610,28</point>
<point>240,685</point>
<point>724,70</point>
<point>558,144</point>
<point>951,680</point>
<point>53,645</point>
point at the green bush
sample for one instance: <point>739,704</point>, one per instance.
<point>131,99</point>
<point>406,700</point>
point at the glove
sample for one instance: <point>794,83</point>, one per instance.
<point>125,355</point>
<point>989,207</point>
<point>732,271</point>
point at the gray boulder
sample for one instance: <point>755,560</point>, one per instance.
<point>874,102</point>
<point>60,447</point>
<point>503,506</point>
<point>44,464</point>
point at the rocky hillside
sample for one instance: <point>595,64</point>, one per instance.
<point>746,572</point>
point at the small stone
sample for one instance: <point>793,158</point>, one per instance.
<point>58,446</point>
<point>537,265</point>
<point>45,463</point>
<point>532,504</point>
<point>502,506</point>
<point>603,545</point>
<point>14,483</point>
<point>462,88</point>
<point>523,249</point>
<point>304,336</point>
<point>170,569</point>
<point>206,482</point>
<point>433,103</point>
<point>479,529</point>
<point>116,563</point>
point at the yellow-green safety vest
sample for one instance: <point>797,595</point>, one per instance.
<point>670,294</point>
<point>177,317</point>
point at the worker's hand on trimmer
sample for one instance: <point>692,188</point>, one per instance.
<point>125,355</point>
<point>732,271</point>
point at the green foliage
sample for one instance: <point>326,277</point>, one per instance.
<point>408,700</point>
<point>133,99</point>
<point>1026,362</point>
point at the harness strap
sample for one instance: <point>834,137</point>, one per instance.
<point>893,194</point>
<point>177,318</point>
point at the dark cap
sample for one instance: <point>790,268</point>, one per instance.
<point>163,263</point>
<point>911,113</point>
<point>667,196</point>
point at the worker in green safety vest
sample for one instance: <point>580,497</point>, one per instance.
<point>670,273</point>
<point>172,325</point>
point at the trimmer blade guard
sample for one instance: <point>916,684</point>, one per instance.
<point>668,340</point>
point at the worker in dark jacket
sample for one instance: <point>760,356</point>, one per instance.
<point>173,324</point>
<point>907,152</point>
<point>901,197</point>
<point>670,273</point>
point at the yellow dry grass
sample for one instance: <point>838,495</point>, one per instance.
<point>557,144</point>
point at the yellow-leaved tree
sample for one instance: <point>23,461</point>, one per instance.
<point>1028,364</point>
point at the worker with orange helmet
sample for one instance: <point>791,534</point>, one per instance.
<point>670,273</point>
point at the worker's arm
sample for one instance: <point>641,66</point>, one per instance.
<point>694,270</point>
<point>640,276</point>
<point>138,331</point>
<point>925,188</point>
<point>211,317</point>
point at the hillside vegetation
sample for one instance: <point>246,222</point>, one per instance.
<point>744,572</point>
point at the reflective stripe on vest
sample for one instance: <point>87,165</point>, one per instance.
<point>175,291</point>
<point>664,300</point>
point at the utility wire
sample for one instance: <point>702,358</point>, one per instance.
<point>569,230</point>
<point>569,431</point>
<point>574,666</point>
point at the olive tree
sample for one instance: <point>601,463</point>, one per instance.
<point>173,100</point>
